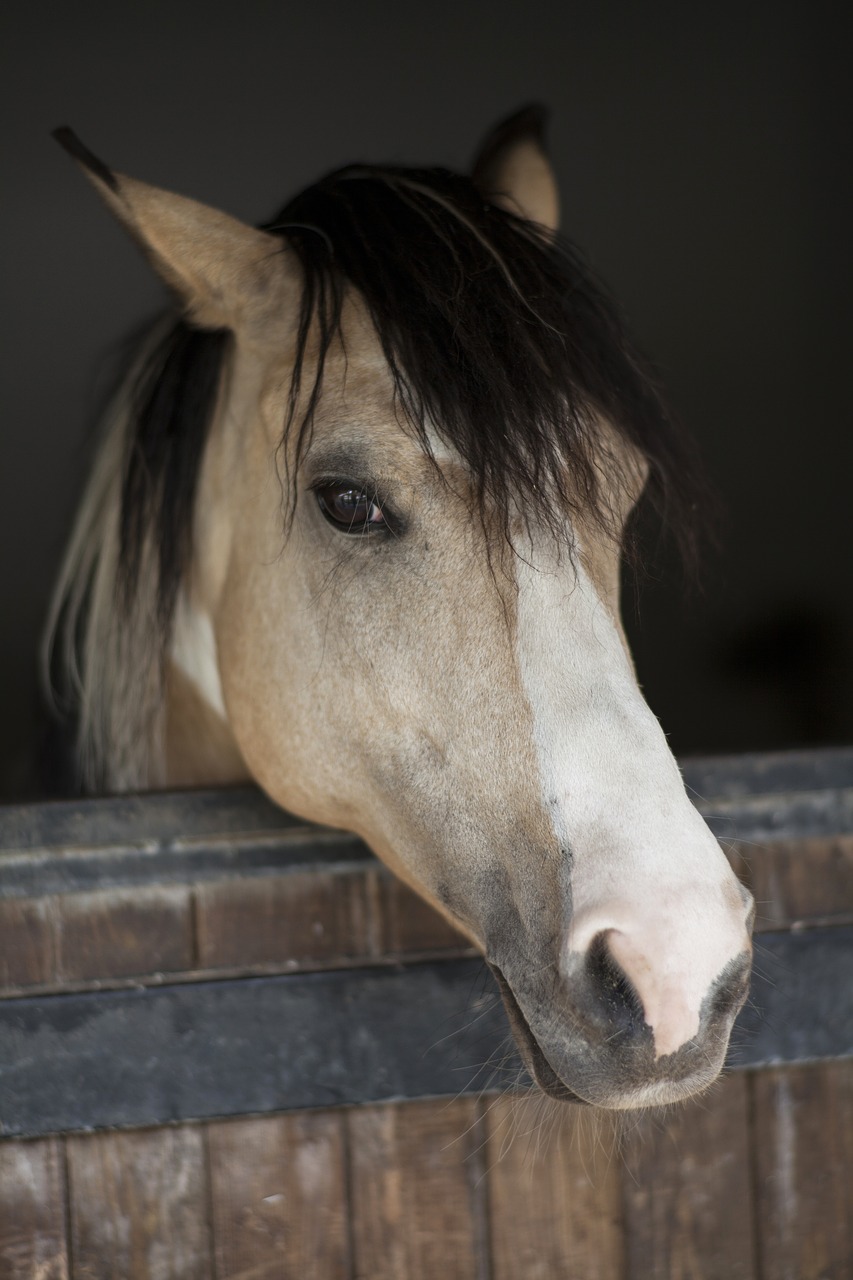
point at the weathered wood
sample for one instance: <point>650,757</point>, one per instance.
<point>121,933</point>
<point>800,882</point>
<point>278,1196</point>
<point>554,1192</point>
<point>803,1144</point>
<point>287,920</point>
<point>139,1206</point>
<point>32,1211</point>
<point>27,942</point>
<point>687,1190</point>
<point>417,1197</point>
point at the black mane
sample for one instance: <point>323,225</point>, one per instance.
<point>497,337</point>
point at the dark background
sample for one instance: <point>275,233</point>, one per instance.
<point>703,155</point>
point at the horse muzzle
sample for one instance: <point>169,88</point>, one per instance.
<point>587,1037</point>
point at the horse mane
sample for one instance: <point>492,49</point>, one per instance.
<point>498,338</point>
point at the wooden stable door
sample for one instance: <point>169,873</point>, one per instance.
<point>234,1048</point>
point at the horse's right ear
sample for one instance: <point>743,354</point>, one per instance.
<point>512,168</point>
<point>221,269</point>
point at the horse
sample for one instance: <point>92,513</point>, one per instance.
<point>355,531</point>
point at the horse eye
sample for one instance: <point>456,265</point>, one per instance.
<point>349,508</point>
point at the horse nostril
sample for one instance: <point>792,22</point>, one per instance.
<point>611,989</point>
<point>671,968</point>
<point>636,987</point>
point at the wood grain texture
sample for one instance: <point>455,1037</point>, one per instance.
<point>554,1193</point>
<point>287,920</point>
<point>139,1206</point>
<point>278,1195</point>
<point>687,1190</point>
<point>804,1171</point>
<point>119,933</point>
<point>32,1211</point>
<point>800,881</point>
<point>27,942</point>
<point>417,1198</point>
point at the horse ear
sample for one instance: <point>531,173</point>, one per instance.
<point>220,268</point>
<point>512,168</point>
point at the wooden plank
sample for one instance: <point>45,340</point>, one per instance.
<point>287,920</point>
<point>418,1212</point>
<point>804,1166</point>
<point>687,1190</point>
<point>278,1195</point>
<point>800,882</point>
<point>554,1192</point>
<point>139,1206</point>
<point>118,933</point>
<point>32,1211</point>
<point>410,925</point>
<point>27,942</point>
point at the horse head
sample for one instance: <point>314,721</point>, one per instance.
<point>380,567</point>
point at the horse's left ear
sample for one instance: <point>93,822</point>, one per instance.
<point>513,170</point>
<point>221,269</point>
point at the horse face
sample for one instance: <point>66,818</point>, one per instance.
<point>473,714</point>
<point>469,708</point>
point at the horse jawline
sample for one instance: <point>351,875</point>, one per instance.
<point>534,1059</point>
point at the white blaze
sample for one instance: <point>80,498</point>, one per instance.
<point>646,873</point>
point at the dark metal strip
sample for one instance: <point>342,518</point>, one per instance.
<point>190,1052</point>
<point>768,773</point>
<point>794,816</point>
<point>82,870</point>
<point>154,817</point>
